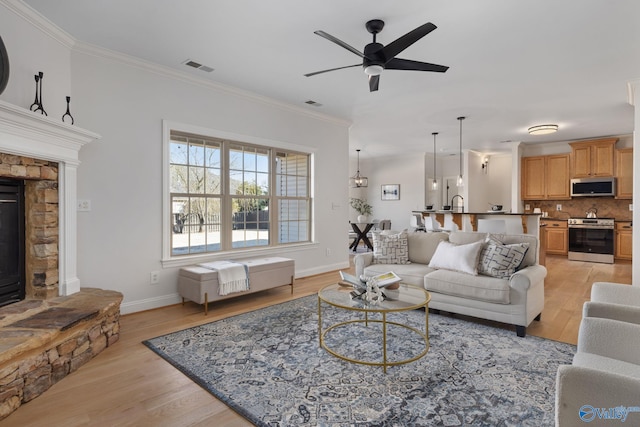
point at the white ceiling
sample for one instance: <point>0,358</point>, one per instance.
<point>513,64</point>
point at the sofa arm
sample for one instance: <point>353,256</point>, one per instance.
<point>585,389</point>
<point>610,338</point>
<point>361,261</point>
<point>624,313</point>
<point>524,279</point>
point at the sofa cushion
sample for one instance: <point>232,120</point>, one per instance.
<point>463,258</point>
<point>499,260</point>
<point>411,274</point>
<point>482,288</point>
<point>390,248</point>
<point>423,245</point>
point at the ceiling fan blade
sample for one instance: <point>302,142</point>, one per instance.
<point>339,42</point>
<point>400,44</point>
<point>407,64</point>
<point>373,83</point>
<point>332,69</point>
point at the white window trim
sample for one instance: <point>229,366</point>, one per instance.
<point>173,261</point>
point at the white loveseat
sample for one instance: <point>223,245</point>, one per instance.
<point>517,299</point>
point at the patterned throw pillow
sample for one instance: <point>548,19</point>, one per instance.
<point>391,248</point>
<point>500,260</point>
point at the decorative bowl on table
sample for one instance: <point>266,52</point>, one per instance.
<point>496,207</point>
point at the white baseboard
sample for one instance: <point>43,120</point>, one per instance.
<point>149,303</point>
<point>171,299</point>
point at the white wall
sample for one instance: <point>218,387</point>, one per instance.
<point>30,51</point>
<point>406,170</point>
<point>125,101</point>
<point>490,187</point>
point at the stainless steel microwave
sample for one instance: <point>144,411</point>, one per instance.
<point>593,187</point>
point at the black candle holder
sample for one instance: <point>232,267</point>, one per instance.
<point>68,113</point>
<point>38,102</point>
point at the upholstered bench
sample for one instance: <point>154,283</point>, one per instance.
<point>200,284</point>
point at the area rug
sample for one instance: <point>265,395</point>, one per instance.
<point>267,365</point>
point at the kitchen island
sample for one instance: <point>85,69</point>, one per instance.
<point>513,223</point>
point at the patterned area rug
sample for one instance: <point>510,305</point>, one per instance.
<point>267,366</point>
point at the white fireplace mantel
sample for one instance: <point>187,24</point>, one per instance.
<point>29,134</point>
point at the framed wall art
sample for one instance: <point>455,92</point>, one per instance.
<point>390,192</point>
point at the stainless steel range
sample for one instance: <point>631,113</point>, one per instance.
<point>591,239</point>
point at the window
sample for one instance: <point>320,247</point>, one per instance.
<point>227,195</point>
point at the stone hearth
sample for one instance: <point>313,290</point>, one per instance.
<point>42,341</point>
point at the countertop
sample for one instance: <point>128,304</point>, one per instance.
<point>479,213</point>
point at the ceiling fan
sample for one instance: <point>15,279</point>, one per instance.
<point>377,57</point>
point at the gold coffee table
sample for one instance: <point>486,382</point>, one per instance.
<point>404,298</point>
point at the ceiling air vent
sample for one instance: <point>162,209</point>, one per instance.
<point>199,66</point>
<point>314,103</point>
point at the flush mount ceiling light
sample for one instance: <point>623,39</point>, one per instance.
<point>542,129</point>
<point>359,180</point>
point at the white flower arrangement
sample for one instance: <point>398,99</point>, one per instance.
<point>373,295</point>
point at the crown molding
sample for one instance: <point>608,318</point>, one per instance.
<point>164,71</point>
<point>34,18</point>
<point>40,22</point>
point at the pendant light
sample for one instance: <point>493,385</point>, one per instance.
<point>460,180</point>
<point>359,181</point>
<point>434,183</point>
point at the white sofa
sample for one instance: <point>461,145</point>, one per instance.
<point>517,300</point>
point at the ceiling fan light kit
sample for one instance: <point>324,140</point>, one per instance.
<point>377,57</point>
<point>542,129</point>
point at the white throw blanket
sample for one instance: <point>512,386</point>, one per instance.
<point>232,276</point>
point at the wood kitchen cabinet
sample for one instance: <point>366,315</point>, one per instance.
<point>546,177</point>
<point>624,240</point>
<point>593,158</point>
<point>624,173</point>
<point>557,236</point>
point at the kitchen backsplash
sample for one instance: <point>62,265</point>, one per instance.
<point>606,207</point>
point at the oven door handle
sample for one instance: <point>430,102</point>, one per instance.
<point>604,227</point>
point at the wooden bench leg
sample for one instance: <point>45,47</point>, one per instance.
<point>182,300</point>
<point>206,303</point>
<point>293,279</point>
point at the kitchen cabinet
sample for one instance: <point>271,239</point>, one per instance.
<point>593,158</point>
<point>557,236</point>
<point>624,240</point>
<point>546,177</point>
<point>624,173</point>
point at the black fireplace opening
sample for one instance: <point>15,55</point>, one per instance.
<point>12,241</point>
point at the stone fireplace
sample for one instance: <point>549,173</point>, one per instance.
<point>40,178</point>
<point>44,153</point>
<point>58,326</point>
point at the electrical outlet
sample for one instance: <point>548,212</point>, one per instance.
<point>84,205</point>
<point>155,277</point>
<point>558,207</point>
<point>527,207</point>
<point>630,206</point>
<point>328,251</point>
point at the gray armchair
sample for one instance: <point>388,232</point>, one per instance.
<point>614,301</point>
<point>604,378</point>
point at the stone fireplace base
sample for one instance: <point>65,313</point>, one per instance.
<point>42,341</point>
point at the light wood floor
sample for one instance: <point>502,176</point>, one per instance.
<point>128,385</point>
